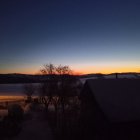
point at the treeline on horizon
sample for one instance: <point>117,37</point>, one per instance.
<point>39,78</point>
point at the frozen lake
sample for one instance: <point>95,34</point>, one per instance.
<point>13,89</point>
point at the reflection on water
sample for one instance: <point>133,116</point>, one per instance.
<point>11,98</point>
<point>6,101</point>
<point>11,94</point>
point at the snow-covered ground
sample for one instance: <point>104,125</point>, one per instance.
<point>83,80</point>
<point>111,76</point>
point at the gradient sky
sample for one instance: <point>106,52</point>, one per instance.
<point>88,35</point>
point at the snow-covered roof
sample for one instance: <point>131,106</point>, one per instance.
<point>119,99</point>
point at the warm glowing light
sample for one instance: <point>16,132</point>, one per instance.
<point>85,68</point>
<point>10,98</point>
<point>106,69</point>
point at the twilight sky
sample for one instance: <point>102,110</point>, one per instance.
<point>88,35</point>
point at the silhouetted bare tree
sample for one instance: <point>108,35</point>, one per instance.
<point>58,86</point>
<point>66,81</point>
<point>61,88</point>
<point>49,86</point>
<point>49,69</point>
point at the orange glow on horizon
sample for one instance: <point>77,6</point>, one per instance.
<point>108,70</point>
<point>79,70</point>
<point>88,71</point>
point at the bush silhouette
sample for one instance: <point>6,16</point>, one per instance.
<point>11,124</point>
<point>15,112</point>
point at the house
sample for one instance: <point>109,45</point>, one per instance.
<point>110,109</point>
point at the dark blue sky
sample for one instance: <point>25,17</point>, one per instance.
<point>88,35</point>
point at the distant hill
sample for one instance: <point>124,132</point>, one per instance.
<point>25,78</point>
<point>131,75</point>
<point>21,78</point>
<point>126,75</point>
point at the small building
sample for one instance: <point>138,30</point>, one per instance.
<point>110,109</point>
